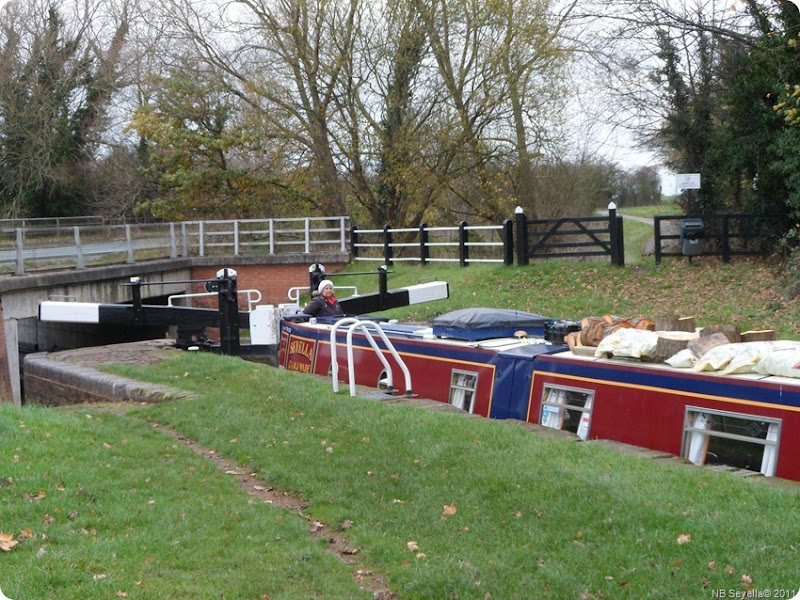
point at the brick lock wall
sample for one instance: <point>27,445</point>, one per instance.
<point>273,281</point>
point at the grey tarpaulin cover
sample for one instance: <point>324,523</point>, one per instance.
<point>484,323</point>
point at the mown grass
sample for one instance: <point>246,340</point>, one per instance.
<point>493,510</point>
<point>105,506</point>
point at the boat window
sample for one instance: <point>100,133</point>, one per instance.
<point>743,441</point>
<point>567,408</point>
<point>462,389</point>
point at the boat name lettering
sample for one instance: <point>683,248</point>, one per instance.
<point>301,347</point>
<point>301,354</point>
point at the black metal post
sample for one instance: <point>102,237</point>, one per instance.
<point>726,240</point>
<point>612,232</point>
<point>657,238</point>
<point>521,235</point>
<point>354,241</point>
<point>136,295</point>
<point>315,276</point>
<point>463,248</point>
<point>508,242</point>
<point>228,315</point>
<point>383,285</point>
<point>424,251</point>
<point>620,242</point>
<point>387,245</point>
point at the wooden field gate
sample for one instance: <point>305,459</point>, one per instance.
<point>569,237</point>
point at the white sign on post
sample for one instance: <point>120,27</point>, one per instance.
<point>687,181</point>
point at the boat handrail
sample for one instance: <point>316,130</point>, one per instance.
<point>335,358</point>
<point>363,325</point>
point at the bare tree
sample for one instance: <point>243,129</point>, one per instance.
<point>59,69</point>
<point>284,59</point>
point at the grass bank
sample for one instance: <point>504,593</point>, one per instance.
<point>444,506</point>
<point>748,294</point>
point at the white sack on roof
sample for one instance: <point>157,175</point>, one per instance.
<point>784,362</point>
<point>628,343</point>
<point>685,359</point>
<point>741,357</point>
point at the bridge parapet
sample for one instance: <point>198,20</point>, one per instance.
<point>22,333</point>
<point>37,248</point>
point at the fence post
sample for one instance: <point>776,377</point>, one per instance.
<point>522,236</point>
<point>236,238</point>
<point>342,234</point>
<point>201,234</point>
<point>614,235</point>
<point>726,242</point>
<point>184,241</point>
<point>354,241</point>
<point>387,245</point>
<point>463,248</point>
<point>173,246</point>
<point>129,243</point>
<point>307,228</point>
<point>20,270</point>
<point>424,251</point>
<point>508,242</point>
<point>657,238</point>
<point>620,242</point>
<point>78,248</point>
<point>271,236</point>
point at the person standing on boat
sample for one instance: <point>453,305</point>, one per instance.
<point>325,303</point>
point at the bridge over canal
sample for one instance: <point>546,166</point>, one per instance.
<point>271,267</point>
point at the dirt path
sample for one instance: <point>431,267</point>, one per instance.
<point>369,580</point>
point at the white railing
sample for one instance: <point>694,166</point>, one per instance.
<point>364,326</point>
<point>37,248</point>
<point>295,292</point>
<point>253,298</point>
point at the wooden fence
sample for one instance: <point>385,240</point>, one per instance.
<point>724,235</point>
<point>464,244</point>
<point>535,239</point>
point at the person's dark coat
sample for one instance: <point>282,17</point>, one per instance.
<point>319,307</point>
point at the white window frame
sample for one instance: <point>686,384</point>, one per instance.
<point>554,403</point>
<point>697,433</point>
<point>462,394</point>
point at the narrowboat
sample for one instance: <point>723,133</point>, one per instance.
<point>514,365</point>
<point>739,408</point>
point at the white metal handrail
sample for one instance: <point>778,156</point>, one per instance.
<point>294,292</point>
<point>363,326</point>
<point>253,297</point>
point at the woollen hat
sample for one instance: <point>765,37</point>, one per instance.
<point>323,284</point>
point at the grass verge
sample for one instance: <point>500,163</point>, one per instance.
<point>748,294</point>
<point>444,505</point>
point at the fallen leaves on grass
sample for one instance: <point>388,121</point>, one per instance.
<point>684,538</point>
<point>449,509</point>
<point>7,541</point>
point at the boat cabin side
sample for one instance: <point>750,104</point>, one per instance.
<point>747,421</point>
